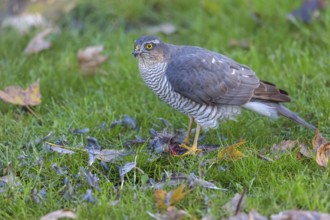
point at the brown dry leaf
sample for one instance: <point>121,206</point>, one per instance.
<point>231,153</point>
<point>322,148</point>
<point>62,213</point>
<point>165,199</point>
<point>300,214</point>
<point>17,96</point>
<point>318,140</point>
<point>284,146</point>
<point>171,214</point>
<point>90,58</point>
<point>236,204</point>
<point>323,154</point>
<point>38,43</point>
<point>304,150</point>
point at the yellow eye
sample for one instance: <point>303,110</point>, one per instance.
<point>149,46</point>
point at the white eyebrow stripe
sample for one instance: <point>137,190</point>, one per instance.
<point>155,41</point>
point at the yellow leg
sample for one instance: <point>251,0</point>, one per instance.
<point>193,149</point>
<point>187,138</point>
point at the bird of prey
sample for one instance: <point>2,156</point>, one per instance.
<point>207,86</point>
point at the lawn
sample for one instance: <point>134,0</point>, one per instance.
<point>294,56</point>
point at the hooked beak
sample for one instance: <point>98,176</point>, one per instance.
<point>137,51</point>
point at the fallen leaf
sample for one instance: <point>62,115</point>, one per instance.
<point>165,199</point>
<point>323,154</point>
<point>236,204</point>
<point>17,96</point>
<point>166,28</point>
<point>231,153</point>
<point>62,213</point>
<point>300,214</point>
<point>24,22</point>
<point>322,148</point>
<point>171,214</point>
<point>38,43</point>
<point>284,146</point>
<point>90,59</point>
<point>304,150</point>
<point>318,140</point>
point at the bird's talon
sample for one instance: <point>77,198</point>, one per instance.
<point>193,150</point>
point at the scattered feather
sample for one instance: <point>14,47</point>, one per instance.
<point>58,170</point>
<point>92,179</point>
<point>126,120</point>
<point>92,144</point>
<point>307,11</point>
<point>80,131</point>
<point>106,155</point>
<point>88,197</point>
<point>194,181</point>
<point>57,148</point>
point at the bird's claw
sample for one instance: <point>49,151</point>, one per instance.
<point>193,150</point>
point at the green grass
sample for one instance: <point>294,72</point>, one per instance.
<point>294,56</point>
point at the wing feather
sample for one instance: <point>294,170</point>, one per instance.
<point>210,78</point>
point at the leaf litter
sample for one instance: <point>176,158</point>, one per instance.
<point>322,148</point>
<point>165,199</point>
<point>171,213</point>
<point>90,58</point>
<point>38,42</point>
<point>62,213</point>
<point>18,96</point>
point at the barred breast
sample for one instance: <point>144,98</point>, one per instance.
<point>206,116</point>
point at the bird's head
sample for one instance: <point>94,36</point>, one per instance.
<point>150,49</point>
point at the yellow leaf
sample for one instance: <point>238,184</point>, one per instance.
<point>165,199</point>
<point>17,96</point>
<point>231,153</point>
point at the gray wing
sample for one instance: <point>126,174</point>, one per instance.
<point>211,78</point>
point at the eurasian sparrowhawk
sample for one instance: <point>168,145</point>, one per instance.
<point>207,86</point>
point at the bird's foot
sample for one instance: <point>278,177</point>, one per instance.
<point>193,150</point>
